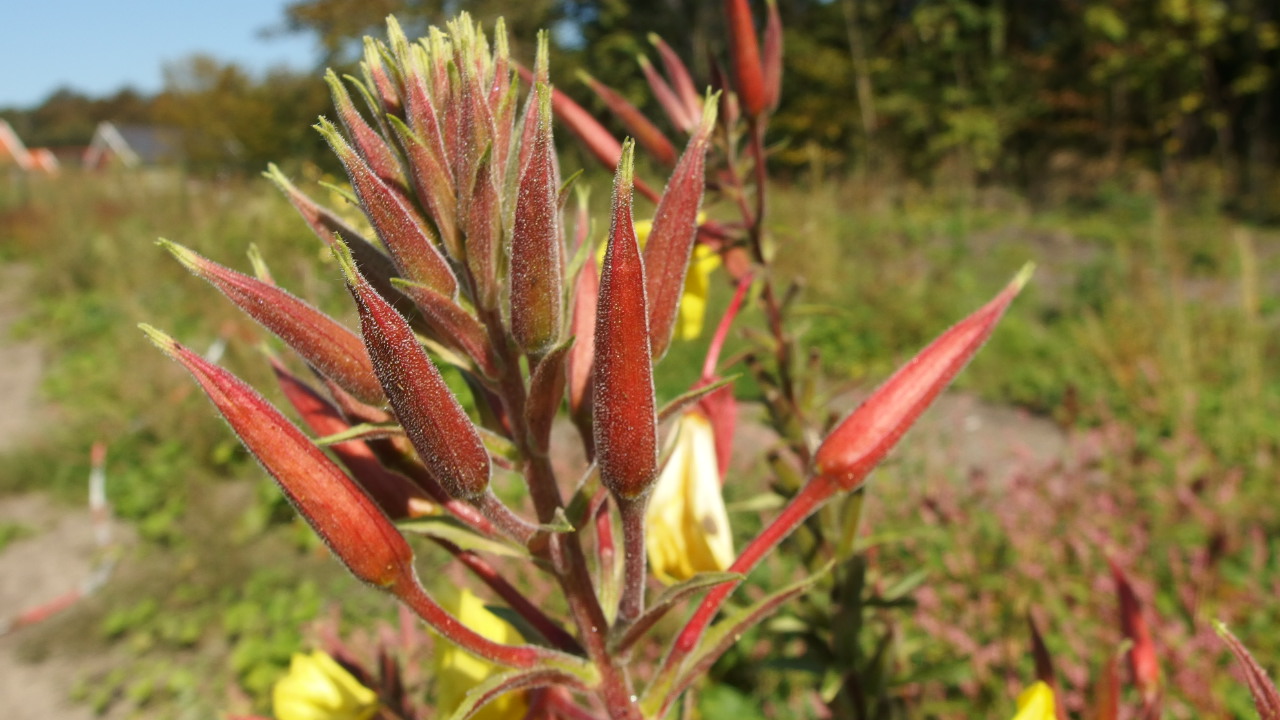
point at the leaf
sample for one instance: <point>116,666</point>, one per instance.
<point>721,637</point>
<point>685,400</point>
<point>665,602</point>
<point>449,529</point>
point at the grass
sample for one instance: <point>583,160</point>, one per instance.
<point>1149,328</point>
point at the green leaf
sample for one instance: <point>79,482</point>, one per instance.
<point>451,530</point>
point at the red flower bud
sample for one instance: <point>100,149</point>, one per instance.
<point>401,231</point>
<point>862,440</point>
<point>395,494</point>
<point>348,521</point>
<point>379,156</point>
<point>599,141</point>
<point>380,80</point>
<point>443,435</point>
<point>645,132</point>
<point>328,346</point>
<point>625,417</point>
<point>537,253</point>
<point>453,326</point>
<point>681,79</point>
<point>744,53</point>
<point>586,295</point>
<point>671,104</point>
<point>772,60</point>
<point>675,226</point>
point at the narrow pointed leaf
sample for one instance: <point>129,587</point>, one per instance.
<point>546,392</point>
<point>725,634</point>
<point>495,685</point>
<point>665,602</point>
<point>862,439</point>
<point>675,227</point>
<point>466,539</point>
<point>686,400</point>
<point>625,419</point>
<point>339,511</point>
<point>443,435</point>
<point>327,345</point>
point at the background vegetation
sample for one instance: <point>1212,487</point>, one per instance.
<point>928,149</point>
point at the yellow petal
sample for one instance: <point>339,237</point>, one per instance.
<point>318,688</point>
<point>687,525</point>
<point>697,285</point>
<point>457,671</point>
<point>1036,703</point>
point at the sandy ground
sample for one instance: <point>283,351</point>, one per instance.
<point>52,560</point>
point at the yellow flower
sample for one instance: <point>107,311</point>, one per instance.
<point>688,528</point>
<point>457,671</point>
<point>697,282</point>
<point>318,688</point>
<point>1036,703</point>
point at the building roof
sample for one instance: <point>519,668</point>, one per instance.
<point>132,145</point>
<point>11,148</point>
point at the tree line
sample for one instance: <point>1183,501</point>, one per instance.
<point>998,87</point>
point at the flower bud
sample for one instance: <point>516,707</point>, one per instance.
<point>744,54</point>
<point>641,128</point>
<point>772,60</point>
<point>339,511</point>
<point>374,150</point>
<point>328,346</point>
<point>441,433</point>
<point>681,80</point>
<point>625,417</point>
<point>401,231</point>
<point>537,254</point>
<point>862,439</point>
<point>676,112</point>
<point>395,494</point>
<point>675,226</point>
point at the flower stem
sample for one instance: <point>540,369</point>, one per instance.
<point>635,563</point>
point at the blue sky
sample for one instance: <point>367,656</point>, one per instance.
<point>100,46</point>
